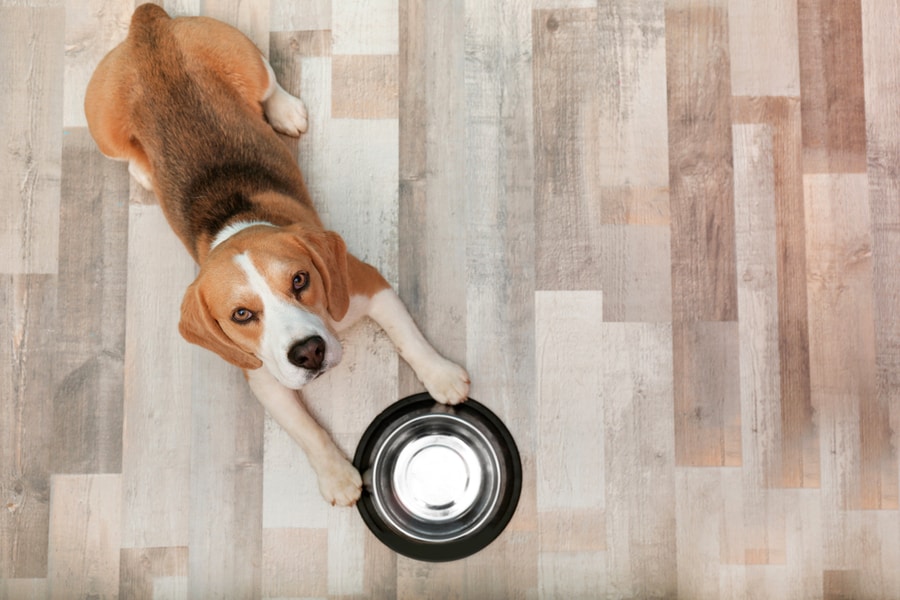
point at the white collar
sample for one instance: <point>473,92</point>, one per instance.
<point>233,228</point>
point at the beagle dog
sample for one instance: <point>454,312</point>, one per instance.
<point>193,106</point>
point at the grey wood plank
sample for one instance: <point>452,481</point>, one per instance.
<point>26,429</point>
<point>226,481</point>
<point>140,566</point>
<point>91,302</point>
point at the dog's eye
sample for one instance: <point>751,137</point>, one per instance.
<point>301,280</point>
<point>242,315</point>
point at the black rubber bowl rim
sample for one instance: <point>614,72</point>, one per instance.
<point>455,549</point>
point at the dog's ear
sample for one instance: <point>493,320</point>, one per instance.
<point>329,255</point>
<point>199,327</point>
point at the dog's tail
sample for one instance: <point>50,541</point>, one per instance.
<point>145,22</point>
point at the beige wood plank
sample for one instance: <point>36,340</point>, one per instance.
<point>635,364</point>
<point>31,48</point>
<point>226,500</point>
<point>364,86</point>
<point>880,24</point>
<point>763,39</point>
<point>156,442</point>
<point>627,150</point>
<point>27,589</point>
<point>570,432</point>
<point>698,515</point>
<point>707,394</point>
<point>300,15</point>
<point>26,376</point>
<point>93,28</point>
<point>365,27</point>
<point>636,273</point>
<point>91,301</point>
<point>170,587</point>
<point>440,581</point>
<point>842,344</point>
<point>800,438</point>
<point>294,563</point>
<point>761,518</point>
<point>345,552</point>
<point>85,526</point>
<point>141,567</point>
<point>571,574</point>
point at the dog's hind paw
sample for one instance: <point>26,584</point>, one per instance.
<point>286,113</point>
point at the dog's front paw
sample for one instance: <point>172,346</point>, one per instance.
<point>340,483</point>
<point>286,113</point>
<point>447,382</point>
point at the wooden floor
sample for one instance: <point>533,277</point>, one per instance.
<point>663,236</point>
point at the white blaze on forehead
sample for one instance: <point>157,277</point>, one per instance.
<point>285,324</point>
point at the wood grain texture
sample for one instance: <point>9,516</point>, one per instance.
<point>31,51</point>
<point>661,236</point>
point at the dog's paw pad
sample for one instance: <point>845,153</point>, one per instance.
<point>340,484</point>
<point>286,114</point>
<point>447,382</point>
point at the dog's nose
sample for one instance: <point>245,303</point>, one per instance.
<point>308,353</point>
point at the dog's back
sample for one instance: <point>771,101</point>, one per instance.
<point>181,98</point>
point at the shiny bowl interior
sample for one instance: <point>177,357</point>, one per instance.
<point>440,482</point>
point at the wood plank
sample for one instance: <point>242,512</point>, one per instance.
<point>93,28</point>
<point>701,182</point>
<point>636,273</point>
<point>294,563</point>
<point>763,48</point>
<point>627,150</point>
<point>431,218</point>
<point>365,28</point>
<point>842,343</point>
<point>800,438</point>
<point>707,394</point>
<point>570,432</point>
<point>85,526</point>
<point>32,50</point>
<point>635,362</point>
<point>156,453</point>
<point>300,15</point>
<point>831,84</point>
<point>252,19</point>
<point>140,567</point>
<point>757,265</point>
<point>26,442</point>
<point>91,301</point>
<point>762,517</point>
<point>698,510</point>
<point>570,574</point>
<point>226,500</point>
<point>566,85</point>
<point>364,86</point>
<point>880,22</point>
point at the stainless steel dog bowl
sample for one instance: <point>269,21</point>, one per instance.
<point>440,482</point>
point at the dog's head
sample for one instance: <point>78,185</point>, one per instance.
<point>266,298</point>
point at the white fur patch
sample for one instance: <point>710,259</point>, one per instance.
<point>285,324</point>
<point>230,230</point>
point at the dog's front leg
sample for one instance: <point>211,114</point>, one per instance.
<point>339,481</point>
<point>446,381</point>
